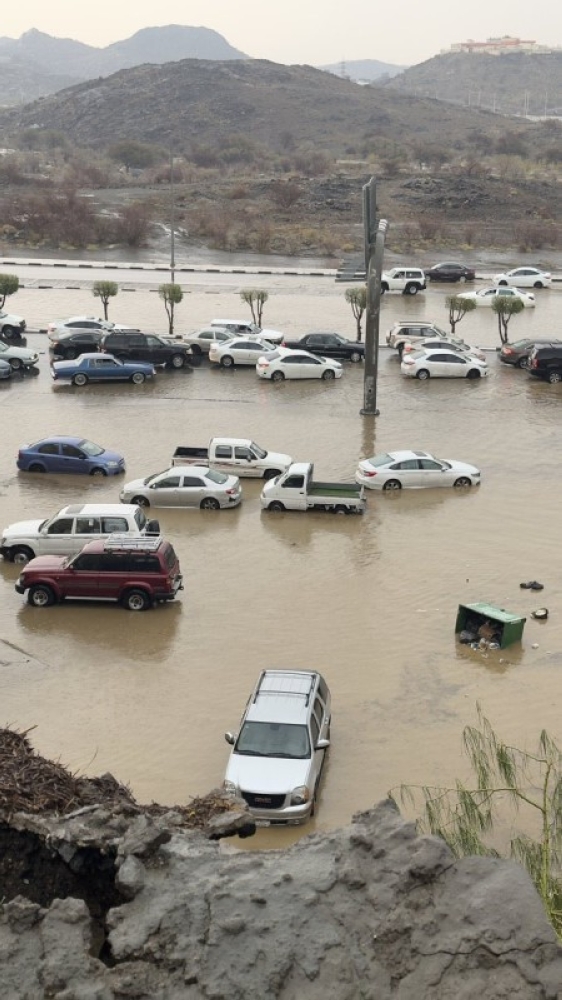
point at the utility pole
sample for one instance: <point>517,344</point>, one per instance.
<point>172,222</point>
<point>375,233</point>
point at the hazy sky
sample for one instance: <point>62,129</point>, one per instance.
<point>296,31</point>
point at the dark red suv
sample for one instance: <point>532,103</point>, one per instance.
<point>136,572</point>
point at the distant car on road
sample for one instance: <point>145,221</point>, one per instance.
<point>328,345</point>
<point>82,324</point>
<point>101,368</point>
<point>132,345</point>
<point>524,277</point>
<point>411,332</point>
<point>184,486</point>
<point>242,327</point>
<point>440,363</point>
<point>201,341</point>
<point>76,455</point>
<point>12,327</point>
<point>518,353</point>
<point>238,351</point>
<point>286,364</point>
<point>408,280</point>
<point>18,357</point>
<point>398,470</point>
<point>450,271</point>
<point>451,344</point>
<point>487,296</point>
<point>68,346</point>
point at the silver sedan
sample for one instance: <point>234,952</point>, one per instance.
<point>184,486</point>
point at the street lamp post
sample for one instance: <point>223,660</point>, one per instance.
<point>172,222</point>
<point>375,234</point>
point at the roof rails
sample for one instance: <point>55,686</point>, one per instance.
<point>131,543</point>
<point>298,694</point>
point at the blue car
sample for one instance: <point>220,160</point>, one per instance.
<point>5,370</point>
<point>70,454</point>
<point>101,368</point>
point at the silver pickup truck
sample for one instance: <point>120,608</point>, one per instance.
<point>237,456</point>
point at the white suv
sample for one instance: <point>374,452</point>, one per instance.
<point>412,332</point>
<point>408,280</point>
<point>278,753</point>
<point>12,327</point>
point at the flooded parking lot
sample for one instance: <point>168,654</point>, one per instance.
<point>370,601</point>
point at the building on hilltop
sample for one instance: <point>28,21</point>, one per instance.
<point>502,46</point>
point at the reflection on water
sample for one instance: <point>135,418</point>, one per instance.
<point>371,601</point>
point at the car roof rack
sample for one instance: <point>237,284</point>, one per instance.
<point>283,691</point>
<point>128,543</point>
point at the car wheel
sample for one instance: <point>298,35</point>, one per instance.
<point>136,600</point>
<point>10,331</point>
<point>141,501</point>
<point>70,354</point>
<point>340,509</point>
<point>209,503</point>
<point>473,373</point>
<point>392,484</point>
<point>177,361</point>
<point>522,363</point>
<point>271,473</point>
<point>277,377</point>
<point>502,283</point>
<point>328,374</point>
<point>98,472</point>
<point>462,481</point>
<point>423,374</point>
<point>411,290</point>
<point>138,378</point>
<point>538,284</point>
<point>16,364</point>
<point>227,361</point>
<point>21,555</point>
<point>554,377</point>
<point>276,506</point>
<point>196,350</point>
<point>80,379</point>
<point>40,596</point>
<point>355,356</point>
<point>462,279</point>
<point>36,467</point>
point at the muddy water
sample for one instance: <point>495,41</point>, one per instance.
<point>370,601</point>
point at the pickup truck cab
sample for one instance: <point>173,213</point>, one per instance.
<point>70,528</point>
<point>240,456</point>
<point>297,490</point>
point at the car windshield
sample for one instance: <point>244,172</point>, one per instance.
<point>90,448</point>
<point>155,475</point>
<point>216,477</point>
<point>273,739</point>
<point>377,460</point>
<point>260,452</point>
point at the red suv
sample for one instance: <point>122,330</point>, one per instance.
<point>136,572</point>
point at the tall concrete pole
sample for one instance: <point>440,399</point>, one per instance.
<point>374,253</point>
<point>172,222</point>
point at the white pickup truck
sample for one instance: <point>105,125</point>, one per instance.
<point>240,456</point>
<point>297,490</point>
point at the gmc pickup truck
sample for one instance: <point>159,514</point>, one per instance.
<point>297,490</point>
<point>240,456</point>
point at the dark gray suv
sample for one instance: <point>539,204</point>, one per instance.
<point>136,346</point>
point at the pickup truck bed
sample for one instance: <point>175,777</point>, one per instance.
<point>184,453</point>
<point>348,490</point>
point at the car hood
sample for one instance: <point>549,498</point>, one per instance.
<point>9,318</point>
<point>277,458</point>
<point>461,466</point>
<point>107,456</point>
<point>18,352</point>
<point>136,485</point>
<point>268,775</point>
<point>45,563</point>
<point>22,529</point>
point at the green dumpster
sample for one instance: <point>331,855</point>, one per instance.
<point>496,623</point>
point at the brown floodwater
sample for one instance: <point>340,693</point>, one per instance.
<point>370,601</point>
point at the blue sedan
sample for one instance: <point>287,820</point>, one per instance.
<point>101,368</point>
<point>5,370</point>
<point>70,454</point>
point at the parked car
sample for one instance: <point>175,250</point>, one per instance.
<point>70,454</point>
<point>67,531</point>
<point>487,296</point>
<point>82,324</point>
<point>12,327</point>
<point>451,344</point>
<point>238,351</point>
<point>239,455</point>
<point>518,353</point>
<point>101,368</point>
<point>18,357</point>
<point>281,364</point>
<point>296,489</point>
<point>68,346</point>
<point>135,572</point>
<point>328,345</point>
<point>442,364</point>
<point>546,362</point>
<point>137,346</point>
<point>524,277</point>
<point>278,753</point>
<point>5,370</point>
<point>450,271</point>
<point>398,470</point>
<point>408,280</point>
<point>242,327</point>
<point>184,486</point>
<point>412,332</point>
<point>200,342</point>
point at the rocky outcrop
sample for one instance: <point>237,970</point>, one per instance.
<point>369,911</point>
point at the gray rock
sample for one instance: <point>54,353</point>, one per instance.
<point>130,877</point>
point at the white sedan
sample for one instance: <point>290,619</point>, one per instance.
<point>239,351</point>
<point>184,486</point>
<point>450,344</point>
<point>442,364</point>
<point>486,296</point>
<point>398,470</point>
<point>524,277</point>
<point>284,363</point>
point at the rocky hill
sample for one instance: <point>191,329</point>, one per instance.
<point>364,70</point>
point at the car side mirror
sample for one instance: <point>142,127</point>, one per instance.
<point>322,744</point>
<point>230,738</point>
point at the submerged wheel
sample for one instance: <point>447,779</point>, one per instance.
<point>554,377</point>
<point>141,501</point>
<point>340,509</point>
<point>36,467</point>
<point>392,484</point>
<point>523,362</point>
<point>355,356</point>
<point>538,284</point>
<point>10,331</point>
<point>16,364</point>
<point>462,481</point>
<point>277,377</point>
<point>138,378</point>
<point>423,374</point>
<point>209,503</point>
<point>98,472</point>
<point>473,373</point>
<point>177,360</point>
<point>328,375</point>
<point>227,361</point>
<point>40,596</point>
<point>21,555</point>
<point>411,290</point>
<point>136,600</point>
<point>80,379</point>
<point>276,505</point>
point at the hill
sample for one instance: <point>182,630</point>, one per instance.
<point>364,70</point>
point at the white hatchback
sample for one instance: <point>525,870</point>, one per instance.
<point>524,277</point>
<point>442,364</point>
<point>286,364</point>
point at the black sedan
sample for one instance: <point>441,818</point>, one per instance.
<point>518,353</point>
<point>328,345</point>
<point>450,271</point>
<point>70,345</point>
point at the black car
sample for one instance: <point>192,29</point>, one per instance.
<point>450,271</point>
<point>518,353</point>
<point>136,346</point>
<point>546,362</point>
<point>328,345</point>
<point>70,345</point>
